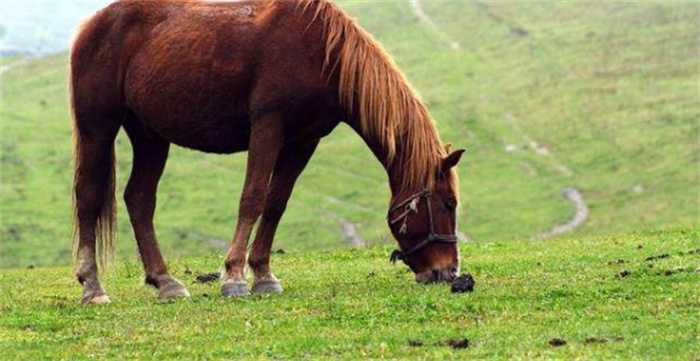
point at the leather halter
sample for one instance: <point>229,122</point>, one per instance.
<point>411,205</point>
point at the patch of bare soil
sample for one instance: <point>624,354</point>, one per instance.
<point>556,342</point>
<point>670,272</point>
<point>656,258</point>
<point>593,340</point>
<point>454,343</point>
<point>623,274</point>
<point>415,343</point>
<point>208,277</point>
<point>458,343</point>
<point>693,252</point>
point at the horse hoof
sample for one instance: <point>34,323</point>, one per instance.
<point>267,286</point>
<point>172,290</point>
<point>93,299</point>
<point>234,289</point>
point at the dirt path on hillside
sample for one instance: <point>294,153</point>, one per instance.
<point>348,230</point>
<point>571,193</point>
<point>575,197</point>
<point>423,17</point>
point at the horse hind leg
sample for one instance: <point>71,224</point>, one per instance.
<point>99,111</point>
<point>91,201</point>
<point>95,207</point>
<point>150,153</point>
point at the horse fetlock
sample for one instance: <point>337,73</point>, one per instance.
<point>88,278</point>
<point>236,275</point>
<point>95,299</point>
<point>259,265</point>
<point>234,270</point>
<point>93,293</point>
<point>83,277</point>
<point>86,267</point>
<point>167,285</point>
<point>159,280</point>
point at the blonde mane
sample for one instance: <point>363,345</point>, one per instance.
<point>372,87</point>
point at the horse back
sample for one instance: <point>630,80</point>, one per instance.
<point>197,72</point>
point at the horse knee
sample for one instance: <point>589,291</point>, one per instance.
<point>138,203</point>
<point>252,204</point>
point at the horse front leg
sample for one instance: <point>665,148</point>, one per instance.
<point>290,164</point>
<point>266,140</point>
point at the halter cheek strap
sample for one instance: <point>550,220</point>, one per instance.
<point>410,205</point>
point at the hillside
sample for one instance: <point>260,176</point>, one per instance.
<point>601,98</point>
<point>41,28</point>
<point>354,305</point>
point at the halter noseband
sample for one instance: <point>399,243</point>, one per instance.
<point>411,205</point>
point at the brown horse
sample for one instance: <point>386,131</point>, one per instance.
<point>269,77</point>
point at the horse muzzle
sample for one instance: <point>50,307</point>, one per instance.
<point>438,275</point>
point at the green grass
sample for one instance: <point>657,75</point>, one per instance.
<point>609,88</point>
<point>352,304</point>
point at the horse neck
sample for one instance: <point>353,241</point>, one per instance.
<point>394,166</point>
<point>380,104</point>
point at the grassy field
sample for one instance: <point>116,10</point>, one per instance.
<point>354,305</point>
<point>601,97</point>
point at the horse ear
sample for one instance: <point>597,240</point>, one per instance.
<point>447,147</point>
<point>452,159</point>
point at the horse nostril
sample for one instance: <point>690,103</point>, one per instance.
<point>454,271</point>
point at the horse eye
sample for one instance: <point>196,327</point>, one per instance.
<point>451,204</point>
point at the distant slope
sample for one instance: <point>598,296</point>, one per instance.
<point>609,89</point>
<point>598,97</point>
<point>31,27</point>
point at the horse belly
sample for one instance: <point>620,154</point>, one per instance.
<point>221,136</point>
<point>196,126</point>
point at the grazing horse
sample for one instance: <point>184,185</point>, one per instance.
<point>269,77</point>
